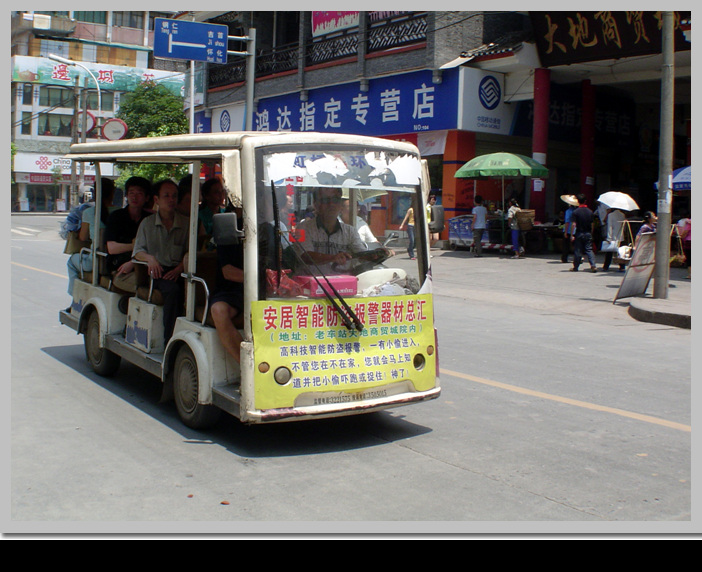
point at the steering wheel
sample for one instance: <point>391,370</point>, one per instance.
<point>363,261</point>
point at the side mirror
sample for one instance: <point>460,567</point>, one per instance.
<point>225,229</point>
<point>392,236</point>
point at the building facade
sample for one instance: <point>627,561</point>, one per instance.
<point>55,103</point>
<point>462,84</point>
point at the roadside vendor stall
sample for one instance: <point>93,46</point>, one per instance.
<point>501,166</point>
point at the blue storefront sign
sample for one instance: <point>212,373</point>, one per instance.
<point>406,103</point>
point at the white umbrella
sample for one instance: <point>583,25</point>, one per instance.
<point>618,200</point>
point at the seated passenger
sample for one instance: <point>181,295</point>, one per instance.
<point>227,301</point>
<point>185,191</point>
<point>362,227</point>
<point>324,239</point>
<point>185,186</point>
<point>84,261</point>
<point>213,198</point>
<point>161,242</point>
<point>121,230</point>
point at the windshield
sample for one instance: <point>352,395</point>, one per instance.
<point>334,215</point>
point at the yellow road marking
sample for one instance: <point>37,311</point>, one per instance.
<point>568,401</point>
<point>516,389</point>
<point>39,270</point>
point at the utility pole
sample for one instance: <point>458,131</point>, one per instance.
<point>73,197</point>
<point>83,129</point>
<point>250,54</point>
<point>665,159</point>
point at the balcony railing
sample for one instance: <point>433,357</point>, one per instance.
<point>382,35</point>
<point>329,49</point>
<point>281,59</point>
<point>396,33</point>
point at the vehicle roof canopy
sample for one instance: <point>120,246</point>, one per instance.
<point>209,146</point>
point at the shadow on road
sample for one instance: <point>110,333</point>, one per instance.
<point>143,391</point>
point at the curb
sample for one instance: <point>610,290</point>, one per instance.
<point>664,312</point>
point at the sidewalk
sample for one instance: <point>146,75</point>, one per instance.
<point>544,283</point>
<point>676,310</point>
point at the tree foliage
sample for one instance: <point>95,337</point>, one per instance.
<point>151,110</point>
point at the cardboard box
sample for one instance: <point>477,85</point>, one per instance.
<point>344,284</point>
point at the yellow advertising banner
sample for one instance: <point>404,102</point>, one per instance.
<point>394,353</point>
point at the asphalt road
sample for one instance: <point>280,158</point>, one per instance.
<point>559,413</point>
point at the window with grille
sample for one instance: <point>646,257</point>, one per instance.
<point>92,17</point>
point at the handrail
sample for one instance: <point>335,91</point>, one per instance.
<point>193,278</point>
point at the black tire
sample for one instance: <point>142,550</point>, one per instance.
<point>103,361</point>
<point>185,391</point>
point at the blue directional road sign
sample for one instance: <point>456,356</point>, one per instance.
<point>183,40</point>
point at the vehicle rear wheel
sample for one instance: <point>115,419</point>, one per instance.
<point>103,361</point>
<point>185,392</point>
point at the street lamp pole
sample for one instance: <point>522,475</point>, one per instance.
<point>68,62</point>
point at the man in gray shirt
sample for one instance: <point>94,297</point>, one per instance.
<point>161,242</point>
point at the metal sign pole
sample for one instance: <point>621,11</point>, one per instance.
<point>250,54</point>
<point>665,159</point>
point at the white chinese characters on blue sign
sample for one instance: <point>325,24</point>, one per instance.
<point>397,104</point>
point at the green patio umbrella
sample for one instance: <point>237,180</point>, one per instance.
<point>501,165</point>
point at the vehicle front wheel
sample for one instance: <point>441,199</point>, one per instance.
<point>103,361</point>
<point>185,392</point>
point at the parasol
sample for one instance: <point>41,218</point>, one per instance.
<point>501,165</point>
<point>681,179</point>
<point>618,200</point>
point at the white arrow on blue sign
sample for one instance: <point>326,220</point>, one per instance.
<point>183,40</point>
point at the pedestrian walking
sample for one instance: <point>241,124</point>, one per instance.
<point>479,224</point>
<point>582,225</point>
<point>572,202</point>
<point>514,226</point>
<point>409,221</point>
<point>433,236</point>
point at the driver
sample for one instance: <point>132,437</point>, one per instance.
<point>325,240</point>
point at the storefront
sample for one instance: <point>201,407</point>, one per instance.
<point>460,112</point>
<point>42,182</point>
<point>421,107</point>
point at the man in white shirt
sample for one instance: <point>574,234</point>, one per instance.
<point>479,225</point>
<point>325,240</point>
